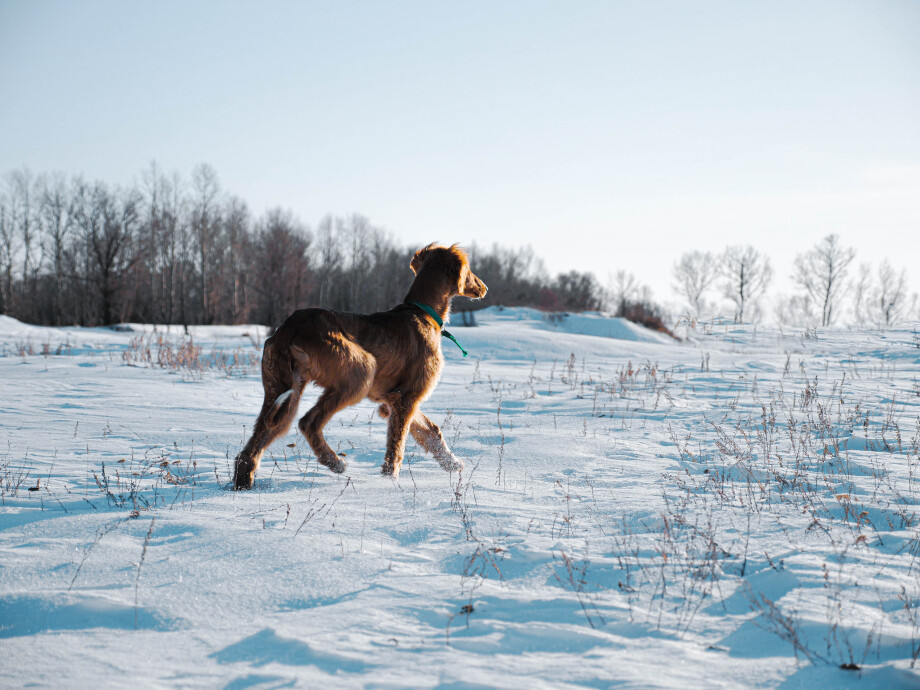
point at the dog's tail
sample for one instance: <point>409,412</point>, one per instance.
<point>282,402</point>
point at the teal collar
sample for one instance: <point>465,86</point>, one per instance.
<point>437,319</point>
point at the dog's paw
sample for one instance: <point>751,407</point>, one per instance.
<point>241,483</point>
<point>333,462</point>
<point>242,479</point>
<point>450,463</point>
<point>390,470</point>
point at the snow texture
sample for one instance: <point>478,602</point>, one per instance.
<point>739,509</point>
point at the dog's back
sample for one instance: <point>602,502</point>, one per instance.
<point>325,345</point>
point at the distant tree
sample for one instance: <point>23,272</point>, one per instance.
<point>21,216</point>
<point>107,221</point>
<point>794,310</point>
<point>205,226</point>
<point>746,274</point>
<point>7,255</point>
<point>548,300</point>
<point>171,286</point>
<point>860,288</point>
<point>391,271</point>
<point>624,288</point>
<point>578,291</point>
<point>235,276</point>
<point>515,276</point>
<point>281,266</point>
<point>694,273</point>
<point>56,221</point>
<point>357,235</point>
<point>821,273</point>
<point>890,295</point>
<point>330,257</point>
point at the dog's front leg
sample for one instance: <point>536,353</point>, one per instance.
<point>401,412</point>
<point>428,435</point>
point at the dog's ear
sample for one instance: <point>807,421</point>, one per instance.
<point>419,258</point>
<point>416,262</point>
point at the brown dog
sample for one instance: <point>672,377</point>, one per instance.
<point>392,357</point>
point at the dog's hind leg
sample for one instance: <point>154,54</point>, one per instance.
<point>283,387</point>
<point>350,387</point>
<point>311,424</point>
<point>278,411</point>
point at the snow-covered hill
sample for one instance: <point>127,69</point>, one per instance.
<point>739,509</point>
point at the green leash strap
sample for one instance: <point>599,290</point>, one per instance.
<point>447,334</point>
<point>437,319</point>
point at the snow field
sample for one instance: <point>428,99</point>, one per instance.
<point>736,510</point>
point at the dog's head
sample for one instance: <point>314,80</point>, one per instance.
<point>453,263</point>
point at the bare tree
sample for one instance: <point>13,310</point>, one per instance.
<point>392,279</point>
<point>56,220</point>
<point>164,241</point>
<point>746,273</point>
<point>239,245</point>
<point>329,246</point>
<point>7,255</point>
<point>357,232</point>
<point>21,212</point>
<point>283,266</point>
<point>205,230</point>
<point>890,296</point>
<point>821,273</point>
<point>107,222</point>
<point>623,288</point>
<point>22,219</point>
<point>860,288</point>
<point>693,275</point>
<point>175,244</point>
<point>794,310</point>
<point>153,236</point>
<point>578,291</point>
<point>515,277</point>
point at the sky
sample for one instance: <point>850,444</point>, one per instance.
<point>606,135</point>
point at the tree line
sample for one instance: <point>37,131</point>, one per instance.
<point>170,250</point>
<point>826,289</point>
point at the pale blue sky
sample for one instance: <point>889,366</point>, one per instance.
<point>607,135</point>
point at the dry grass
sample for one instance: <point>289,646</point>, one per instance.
<point>182,354</point>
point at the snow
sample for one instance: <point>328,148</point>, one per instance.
<point>585,323</point>
<point>738,509</point>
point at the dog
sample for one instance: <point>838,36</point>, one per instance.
<point>393,358</point>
